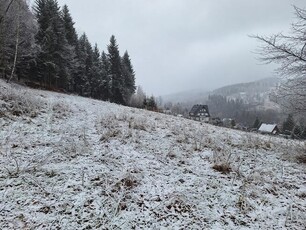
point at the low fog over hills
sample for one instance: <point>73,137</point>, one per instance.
<point>250,89</point>
<point>243,102</point>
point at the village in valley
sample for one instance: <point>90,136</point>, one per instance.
<point>276,122</point>
<point>250,107</point>
<point>201,113</point>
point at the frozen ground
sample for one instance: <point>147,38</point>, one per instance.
<point>69,162</point>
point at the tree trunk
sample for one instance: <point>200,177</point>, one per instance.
<point>2,38</point>
<point>17,44</point>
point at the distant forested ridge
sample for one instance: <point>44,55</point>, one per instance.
<point>40,47</point>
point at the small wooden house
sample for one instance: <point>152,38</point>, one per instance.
<point>199,113</point>
<point>268,129</point>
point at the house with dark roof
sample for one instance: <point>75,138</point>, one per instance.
<point>199,113</point>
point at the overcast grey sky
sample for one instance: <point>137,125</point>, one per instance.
<point>178,45</point>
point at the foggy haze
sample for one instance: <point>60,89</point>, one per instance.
<point>178,45</point>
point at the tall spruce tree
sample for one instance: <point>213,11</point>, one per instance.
<point>72,39</point>
<point>70,32</point>
<point>128,76</point>
<point>96,73</point>
<point>257,123</point>
<point>289,124</point>
<point>89,66</point>
<point>105,84</point>
<point>117,81</point>
<point>54,55</point>
<point>82,78</point>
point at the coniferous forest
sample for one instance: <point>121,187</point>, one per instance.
<point>40,47</point>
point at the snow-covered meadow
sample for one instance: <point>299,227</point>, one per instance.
<point>69,162</point>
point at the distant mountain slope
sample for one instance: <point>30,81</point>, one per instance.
<point>248,91</point>
<point>68,162</point>
<point>190,96</point>
<point>251,88</point>
<point>255,94</point>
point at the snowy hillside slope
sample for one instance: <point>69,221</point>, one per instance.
<point>69,162</point>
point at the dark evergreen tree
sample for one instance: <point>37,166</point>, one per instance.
<point>55,54</point>
<point>105,83</point>
<point>150,103</point>
<point>297,132</point>
<point>70,32</point>
<point>89,73</point>
<point>128,76</point>
<point>257,123</point>
<point>115,73</point>
<point>82,78</point>
<point>72,39</point>
<point>96,74</point>
<point>288,124</point>
<point>233,123</point>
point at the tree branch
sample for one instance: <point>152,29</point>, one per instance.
<point>5,12</point>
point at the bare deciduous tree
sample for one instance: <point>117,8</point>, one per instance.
<point>17,30</point>
<point>16,44</point>
<point>137,100</point>
<point>289,52</point>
